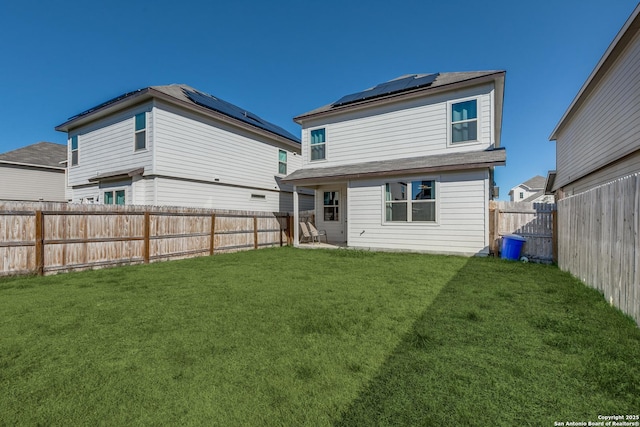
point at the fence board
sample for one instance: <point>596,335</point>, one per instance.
<point>52,237</point>
<point>599,242</point>
<point>533,221</point>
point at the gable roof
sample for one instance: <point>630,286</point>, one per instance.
<point>615,49</point>
<point>409,166</point>
<point>535,183</point>
<point>190,98</point>
<point>47,154</point>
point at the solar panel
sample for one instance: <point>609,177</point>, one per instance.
<point>386,88</point>
<point>228,109</point>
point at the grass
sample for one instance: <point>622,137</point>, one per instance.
<point>294,337</point>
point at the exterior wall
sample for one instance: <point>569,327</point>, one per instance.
<point>107,145</point>
<point>216,196</point>
<point>404,129</point>
<point>606,126</point>
<point>197,147</point>
<point>515,193</point>
<point>189,160</point>
<point>26,183</point>
<point>624,167</point>
<point>461,211</point>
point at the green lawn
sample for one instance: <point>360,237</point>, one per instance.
<point>312,337</point>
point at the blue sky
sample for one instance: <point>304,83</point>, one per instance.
<point>279,59</point>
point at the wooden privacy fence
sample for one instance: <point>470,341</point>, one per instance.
<point>51,237</point>
<point>599,241</point>
<point>534,221</point>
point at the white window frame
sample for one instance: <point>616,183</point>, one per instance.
<point>285,163</point>
<point>326,138</point>
<point>136,132</point>
<point>113,190</point>
<point>409,202</point>
<point>335,206</point>
<point>76,151</point>
<point>450,122</point>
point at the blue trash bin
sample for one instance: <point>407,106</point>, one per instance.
<point>512,246</point>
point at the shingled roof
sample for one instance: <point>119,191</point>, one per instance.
<point>535,183</point>
<point>46,154</point>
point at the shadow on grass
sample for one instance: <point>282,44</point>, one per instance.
<point>483,353</point>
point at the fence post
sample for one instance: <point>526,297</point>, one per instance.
<point>492,227</point>
<point>554,233</point>
<point>255,232</point>
<point>290,230</point>
<point>147,232</point>
<point>39,243</point>
<point>213,233</point>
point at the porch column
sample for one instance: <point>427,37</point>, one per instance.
<point>296,218</point>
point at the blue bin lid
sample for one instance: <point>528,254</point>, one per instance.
<point>515,237</point>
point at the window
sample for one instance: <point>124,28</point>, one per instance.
<point>282,162</point>
<point>331,199</point>
<point>464,121</point>
<point>109,199</point>
<point>421,207</point>
<point>74,150</point>
<point>141,131</point>
<point>318,144</point>
<point>521,195</point>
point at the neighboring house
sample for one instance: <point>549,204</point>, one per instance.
<point>33,173</point>
<point>175,145</point>
<point>598,137</point>
<point>532,190</point>
<point>408,164</point>
<point>597,176</point>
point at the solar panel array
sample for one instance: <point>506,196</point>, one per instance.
<point>228,109</point>
<point>394,86</point>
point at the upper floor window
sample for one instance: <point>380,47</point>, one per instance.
<point>318,144</point>
<point>413,201</point>
<point>74,150</point>
<point>464,121</point>
<point>141,131</point>
<point>282,162</point>
<point>522,195</point>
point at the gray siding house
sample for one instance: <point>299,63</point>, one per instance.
<point>34,173</point>
<point>407,164</point>
<point>177,146</point>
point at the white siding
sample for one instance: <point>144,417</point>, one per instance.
<point>23,183</point>
<point>107,145</point>
<point>200,148</point>
<point>400,130</point>
<point>462,214</point>
<point>606,126</point>
<point>210,195</point>
<point>628,166</point>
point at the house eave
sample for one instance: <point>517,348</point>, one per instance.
<point>398,167</point>
<point>31,165</point>
<point>615,49</point>
<point>117,175</point>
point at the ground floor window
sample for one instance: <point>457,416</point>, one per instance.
<point>116,196</point>
<point>331,212</point>
<point>410,201</point>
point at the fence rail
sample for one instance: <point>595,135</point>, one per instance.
<point>44,238</point>
<point>599,241</point>
<point>534,221</point>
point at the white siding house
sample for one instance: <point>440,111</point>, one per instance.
<point>408,164</point>
<point>34,173</point>
<point>174,145</point>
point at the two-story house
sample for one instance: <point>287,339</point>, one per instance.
<point>532,190</point>
<point>177,146</point>
<point>407,164</point>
